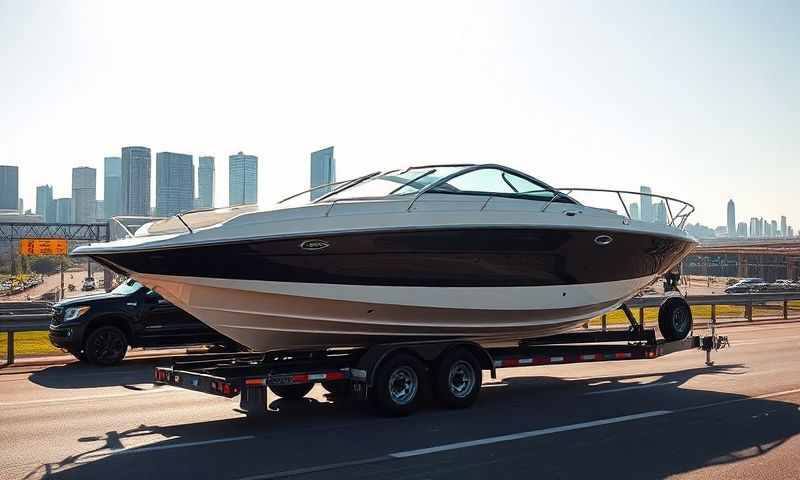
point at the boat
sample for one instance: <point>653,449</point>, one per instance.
<point>481,252</point>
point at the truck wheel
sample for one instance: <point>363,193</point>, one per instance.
<point>457,379</point>
<point>398,385</point>
<point>675,319</point>
<point>340,388</point>
<point>292,392</point>
<point>106,346</point>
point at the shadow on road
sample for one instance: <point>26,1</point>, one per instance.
<point>307,433</point>
<point>81,375</point>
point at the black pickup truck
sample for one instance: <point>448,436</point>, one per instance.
<point>100,328</point>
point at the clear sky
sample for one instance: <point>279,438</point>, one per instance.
<point>699,100</point>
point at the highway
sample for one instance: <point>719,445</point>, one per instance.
<point>669,417</point>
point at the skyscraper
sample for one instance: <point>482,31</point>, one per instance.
<point>84,194</point>
<point>633,209</point>
<point>64,210</point>
<point>731,219</point>
<point>205,182</point>
<point>323,171</point>
<point>660,212</point>
<point>789,232</point>
<point>112,186</point>
<point>741,230</point>
<point>753,227</point>
<point>242,179</point>
<point>44,202</point>
<point>174,183</point>
<point>783,226</point>
<point>135,180</point>
<point>773,230</point>
<point>9,187</point>
<point>647,204</point>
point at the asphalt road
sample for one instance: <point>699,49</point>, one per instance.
<point>671,416</point>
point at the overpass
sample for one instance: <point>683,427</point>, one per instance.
<point>768,258</point>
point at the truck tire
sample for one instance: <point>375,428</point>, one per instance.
<point>457,379</point>
<point>106,346</point>
<point>292,392</point>
<point>398,386</point>
<point>675,319</point>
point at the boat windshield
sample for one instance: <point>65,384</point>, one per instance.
<point>396,182</point>
<point>500,182</point>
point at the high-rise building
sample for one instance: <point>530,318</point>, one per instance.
<point>660,212</point>
<point>9,187</point>
<point>789,232</point>
<point>21,206</point>
<point>64,210</point>
<point>242,179</point>
<point>135,181</point>
<point>753,227</point>
<point>783,226</point>
<point>633,209</point>
<point>647,204</point>
<point>205,182</point>
<point>174,183</point>
<point>773,228</point>
<point>44,202</point>
<point>84,194</point>
<point>741,230</point>
<point>323,171</point>
<point>731,218</point>
<point>112,187</point>
<point>99,210</point>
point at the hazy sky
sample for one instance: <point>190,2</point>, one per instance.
<point>699,100</point>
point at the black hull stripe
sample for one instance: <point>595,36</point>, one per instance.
<point>496,257</point>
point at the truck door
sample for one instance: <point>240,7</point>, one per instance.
<point>164,324</point>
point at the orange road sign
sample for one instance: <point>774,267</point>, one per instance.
<point>42,246</point>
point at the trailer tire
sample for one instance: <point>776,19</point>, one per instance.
<point>457,379</point>
<point>398,386</point>
<point>675,319</point>
<point>291,392</point>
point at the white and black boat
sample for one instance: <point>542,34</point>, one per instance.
<point>433,252</point>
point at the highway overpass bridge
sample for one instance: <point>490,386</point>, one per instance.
<point>769,259</point>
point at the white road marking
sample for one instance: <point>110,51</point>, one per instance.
<point>635,387</point>
<point>164,389</point>
<point>137,449</point>
<point>508,438</point>
<point>530,434</point>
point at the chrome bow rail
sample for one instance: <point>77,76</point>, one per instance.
<point>674,219</point>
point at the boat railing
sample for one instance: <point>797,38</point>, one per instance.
<point>676,219</point>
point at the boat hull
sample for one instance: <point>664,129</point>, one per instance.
<point>262,317</point>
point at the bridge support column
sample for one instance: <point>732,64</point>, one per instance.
<point>742,270</point>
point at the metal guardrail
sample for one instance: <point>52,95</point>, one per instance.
<point>23,317</point>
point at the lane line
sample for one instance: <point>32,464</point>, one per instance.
<point>507,438</point>
<point>20,403</point>
<point>135,449</point>
<point>635,387</point>
<point>530,434</point>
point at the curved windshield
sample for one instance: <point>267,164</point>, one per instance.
<point>496,181</point>
<point>397,182</point>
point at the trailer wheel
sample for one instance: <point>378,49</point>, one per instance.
<point>675,319</point>
<point>292,392</point>
<point>398,385</point>
<point>457,379</point>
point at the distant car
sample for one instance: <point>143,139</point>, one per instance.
<point>99,328</point>
<point>782,285</point>
<point>88,284</point>
<point>747,285</point>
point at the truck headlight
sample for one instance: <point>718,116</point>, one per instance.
<point>75,312</point>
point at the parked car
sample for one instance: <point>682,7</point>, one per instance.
<point>99,329</point>
<point>747,285</point>
<point>88,284</point>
